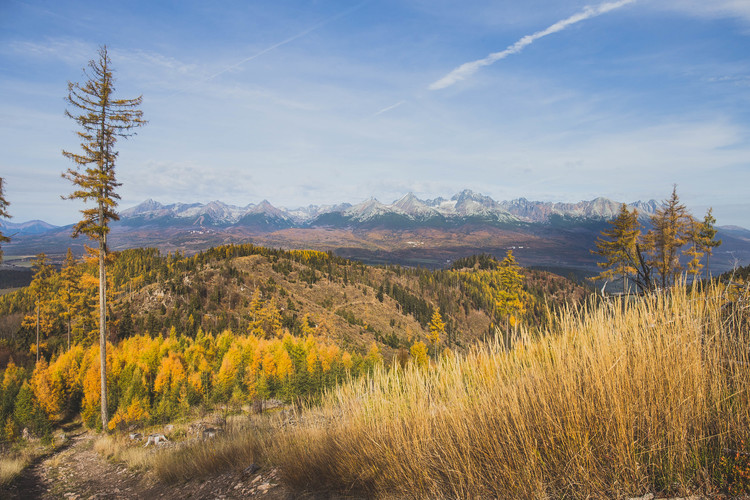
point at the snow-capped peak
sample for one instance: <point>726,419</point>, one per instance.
<point>413,206</point>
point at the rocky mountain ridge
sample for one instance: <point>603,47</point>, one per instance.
<point>409,231</point>
<point>462,206</point>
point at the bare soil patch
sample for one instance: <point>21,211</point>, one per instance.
<point>76,471</point>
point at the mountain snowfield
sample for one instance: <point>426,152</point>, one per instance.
<point>464,205</point>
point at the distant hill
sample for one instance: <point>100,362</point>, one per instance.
<point>410,231</point>
<point>25,228</point>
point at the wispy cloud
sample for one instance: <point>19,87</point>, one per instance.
<point>467,69</point>
<point>389,108</point>
<point>713,9</point>
<point>69,50</point>
<point>275,46</point>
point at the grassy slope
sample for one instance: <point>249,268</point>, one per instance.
<point>615,400</point>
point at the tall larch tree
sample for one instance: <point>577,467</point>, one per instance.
<point>102,120</point>
<point>3,214</point>
<point>672,224</point>
<point>618,246</point>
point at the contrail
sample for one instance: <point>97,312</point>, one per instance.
<point>469,68</point>
<point>281,43</point>
<point>388,108</point>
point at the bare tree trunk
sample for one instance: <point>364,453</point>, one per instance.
<point>37,332</point>
<point>103,323</point>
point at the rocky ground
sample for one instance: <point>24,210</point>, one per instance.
<point>76,471</point>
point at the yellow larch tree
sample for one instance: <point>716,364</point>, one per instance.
<point>436,330</point>
<point>49,390</point>
<point>418,352</point>
<point>672,224</point>
<point>103,120</point>
<point>510,299</point>
<point>618,246</point>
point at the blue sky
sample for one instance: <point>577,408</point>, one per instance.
<point>315,102</point>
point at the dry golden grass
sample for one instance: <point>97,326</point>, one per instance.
<point>13,462</point>
<point>107,446</point>
<point>245,441</point>
<point>11,467</point>
<point>118,448</point>
<point>614,400</point>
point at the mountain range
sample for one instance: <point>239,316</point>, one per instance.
<point>466,206</point>
<point>409,231</point>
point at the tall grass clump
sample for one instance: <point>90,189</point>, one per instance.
<point>243,443</point>
<point>11,467</point>
<point>615,399</point>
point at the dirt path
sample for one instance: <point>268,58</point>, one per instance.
<point>76,471</point>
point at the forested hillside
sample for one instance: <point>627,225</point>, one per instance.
<point>240,324</point>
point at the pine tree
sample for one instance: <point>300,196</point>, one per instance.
<point>618,247</point>
<point>102,120</point>
<point>3,214</point>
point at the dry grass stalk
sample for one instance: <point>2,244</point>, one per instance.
<point>614,400</point>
